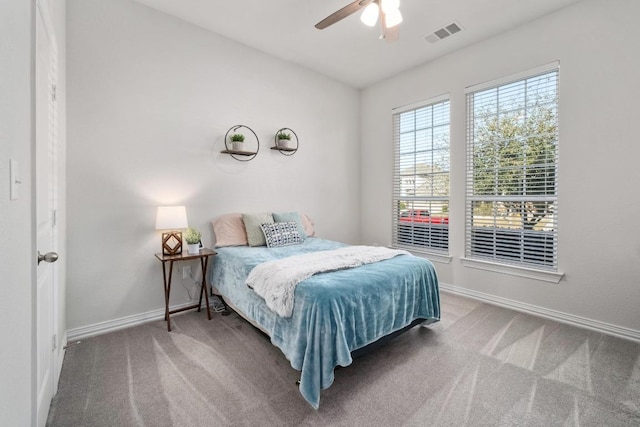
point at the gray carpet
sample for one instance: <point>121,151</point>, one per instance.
<point>481,365</point>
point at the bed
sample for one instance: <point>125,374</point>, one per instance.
<point>334,313</point>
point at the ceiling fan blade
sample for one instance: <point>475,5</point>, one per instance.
<point>389,34</point>
<point>349,9</point>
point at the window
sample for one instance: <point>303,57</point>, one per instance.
<point>421,177</point>
<point>512,170</point>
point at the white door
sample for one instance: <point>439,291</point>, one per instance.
<point>45,154</point>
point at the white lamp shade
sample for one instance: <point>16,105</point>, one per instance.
<point>370,14</point>
<point>393,18</point>
<point>388,6</point>
<point>171,218</point>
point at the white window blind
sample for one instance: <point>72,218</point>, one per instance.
<point>421,177</point>
<point>512,172</point>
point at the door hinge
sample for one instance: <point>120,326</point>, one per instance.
<point>54,343</point>
<point>53,92</point>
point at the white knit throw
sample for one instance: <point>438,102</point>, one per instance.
<point>276,281</point>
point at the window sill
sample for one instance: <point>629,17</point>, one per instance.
<point>431,256</point>
<point>529,273</point>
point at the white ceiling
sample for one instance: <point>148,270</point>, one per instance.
<point>349,51</point>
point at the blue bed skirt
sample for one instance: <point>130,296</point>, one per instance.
<point>334,313</point>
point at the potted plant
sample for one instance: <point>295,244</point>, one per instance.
<point>284,140</point>
<point>193,236</point>
<point>236,141</point>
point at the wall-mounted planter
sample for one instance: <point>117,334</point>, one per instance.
<point>288,147</point>
<point>244,150</point>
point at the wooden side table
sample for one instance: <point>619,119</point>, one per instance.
<point>203,256</point>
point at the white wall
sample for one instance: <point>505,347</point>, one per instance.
<point>596,42</point>
<point>150,99</point>
<point>16,249</point>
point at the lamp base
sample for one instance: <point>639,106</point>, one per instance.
<point>172,243</point>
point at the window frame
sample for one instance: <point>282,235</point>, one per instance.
<point>505,258</point>
<point>436,235</point>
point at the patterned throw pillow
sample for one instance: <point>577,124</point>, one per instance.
<point>281,234</point>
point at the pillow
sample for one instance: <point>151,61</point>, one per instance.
<point>288,217</point>
<point>255,236</point>
<point>281,234</point>
<point>229,230</point>
<point>308,225</point>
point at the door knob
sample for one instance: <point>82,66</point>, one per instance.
<point>48,257</point>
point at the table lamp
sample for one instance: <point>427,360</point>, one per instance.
<point>171,218</point>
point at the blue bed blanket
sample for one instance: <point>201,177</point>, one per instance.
<point>334,313</point>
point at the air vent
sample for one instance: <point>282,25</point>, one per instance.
<point>443,32</point>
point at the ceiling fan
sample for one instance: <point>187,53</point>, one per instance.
<point>388,10</point>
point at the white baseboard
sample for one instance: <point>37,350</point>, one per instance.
<point>121,323</point>
<point>581,322</point>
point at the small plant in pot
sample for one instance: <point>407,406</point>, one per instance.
<point>284,139</point>
<point>193,236</point>
<point>236,141</point>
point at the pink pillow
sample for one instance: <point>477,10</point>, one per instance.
<point>308,223</point>
<point>229,230</point>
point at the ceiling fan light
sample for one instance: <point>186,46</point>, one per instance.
<point>393,18</point>
<point>369,16</point>
<point>389,6</point>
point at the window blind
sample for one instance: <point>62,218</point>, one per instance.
<point>421,177</point>
<point>512,172</point>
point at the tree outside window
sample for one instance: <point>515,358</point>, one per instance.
<point>512,171</point>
